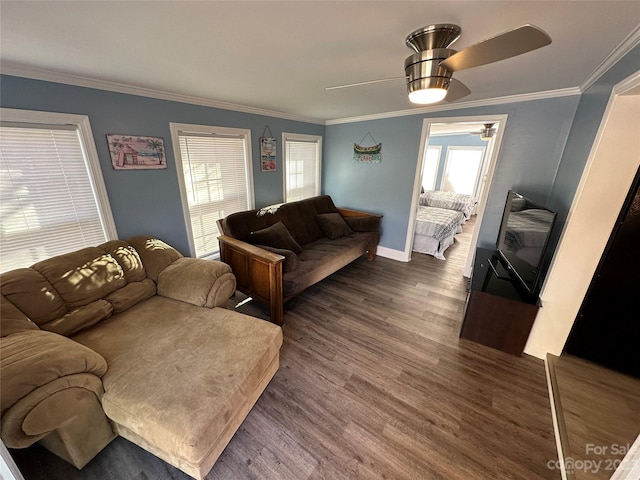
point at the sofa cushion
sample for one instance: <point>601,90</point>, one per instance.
<point>298,217</point>
<point>276,236</point>
<point>13,320</point>
<point>198,282</point>
<point>37,358</point>
<point>290,262</point>
<point>83,276</point>
<point>179,375</point>
<point>33,295</point>
<point>130,294</point>
<point>128,258</point>
<point>333,225</point>
<point>324,257</point>
<point>79,318</point>
<point>155,254</point>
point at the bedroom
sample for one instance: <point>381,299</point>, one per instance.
<point>453,176</point>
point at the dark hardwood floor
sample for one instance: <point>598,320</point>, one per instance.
<point>374,383</point>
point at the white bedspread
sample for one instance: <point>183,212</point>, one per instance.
<point>438,223</point>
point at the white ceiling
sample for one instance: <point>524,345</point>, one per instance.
<point>280,55</point>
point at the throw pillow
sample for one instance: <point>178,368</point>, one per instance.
<point>276,236</point>
<point>290,258</point>
<point>333,225</point>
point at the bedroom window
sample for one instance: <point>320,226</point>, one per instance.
<point>430,167</point>
<point>215,177</point>
<point>53,196</point>
<point>302,154</point>
<point>462,169</point>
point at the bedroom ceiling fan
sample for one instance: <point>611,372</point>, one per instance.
<point>487,132</point>
<point>428,72</point>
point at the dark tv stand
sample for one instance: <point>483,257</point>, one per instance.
<point>498,313</point>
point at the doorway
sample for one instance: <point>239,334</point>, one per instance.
<point>431,174</point>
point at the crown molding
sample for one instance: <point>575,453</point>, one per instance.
<point>18,70</point>
<point>624,47</point>
<point>525,97</point>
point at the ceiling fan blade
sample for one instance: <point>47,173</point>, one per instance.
<point>456,91</point>
<point>369,82</point>
<point>506,45</point>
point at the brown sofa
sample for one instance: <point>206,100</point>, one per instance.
<point>277,252</point>
<point>129,338</point>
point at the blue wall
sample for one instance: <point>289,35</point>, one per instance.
<point>593,103</point>
<point>148,201</point>
<point>533,142</point>
<point>545,147</point>
<point>445,141</point>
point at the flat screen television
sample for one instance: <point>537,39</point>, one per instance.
<point>523,239</point>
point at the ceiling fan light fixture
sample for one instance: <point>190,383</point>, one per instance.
<point>427,95</point>
<point>425,91</point>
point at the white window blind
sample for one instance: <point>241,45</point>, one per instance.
<point>302,167</point>
<point>48,202</point>
<point>216,183</point>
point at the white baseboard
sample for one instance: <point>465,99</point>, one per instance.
<point>398,255</point>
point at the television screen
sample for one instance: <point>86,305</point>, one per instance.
<point>524,234</point>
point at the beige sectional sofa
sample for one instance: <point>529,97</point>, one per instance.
<point>131,339</point>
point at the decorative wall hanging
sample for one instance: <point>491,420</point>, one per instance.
<point>372,154</point>
<point>136,152</point>
<point>267,151</point>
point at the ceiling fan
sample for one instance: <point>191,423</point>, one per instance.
<point>428,72</point>
<point>487,132</point>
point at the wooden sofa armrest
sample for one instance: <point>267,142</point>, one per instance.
<point>258,273</point>
<point>346,212</point>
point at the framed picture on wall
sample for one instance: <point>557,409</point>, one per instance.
<point>267,154</point>
<point>136,152</point>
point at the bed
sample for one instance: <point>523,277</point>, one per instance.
<point>435,229</point>
<point>450,201</point>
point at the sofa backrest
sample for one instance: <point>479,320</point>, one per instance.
<point>71,292</point>
<point>298,217</point>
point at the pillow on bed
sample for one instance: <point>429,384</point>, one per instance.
<point>333,225</point>
<point>276,236</point>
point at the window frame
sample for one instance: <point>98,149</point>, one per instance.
<point>176,129</point>
<point>452,149</point>
<point>437,169</point>
<point>82,126</point>
<point>301,137</point>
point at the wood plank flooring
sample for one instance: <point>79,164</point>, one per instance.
<point>374,383</point>
<point>600,415</point>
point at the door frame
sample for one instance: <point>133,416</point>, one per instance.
<point>493,150</point>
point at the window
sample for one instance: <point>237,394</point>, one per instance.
<point>430,167</point>
<point>214,168</point>
<point>302,154</point>
<point>462,169</point>
<point>52,195</point>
